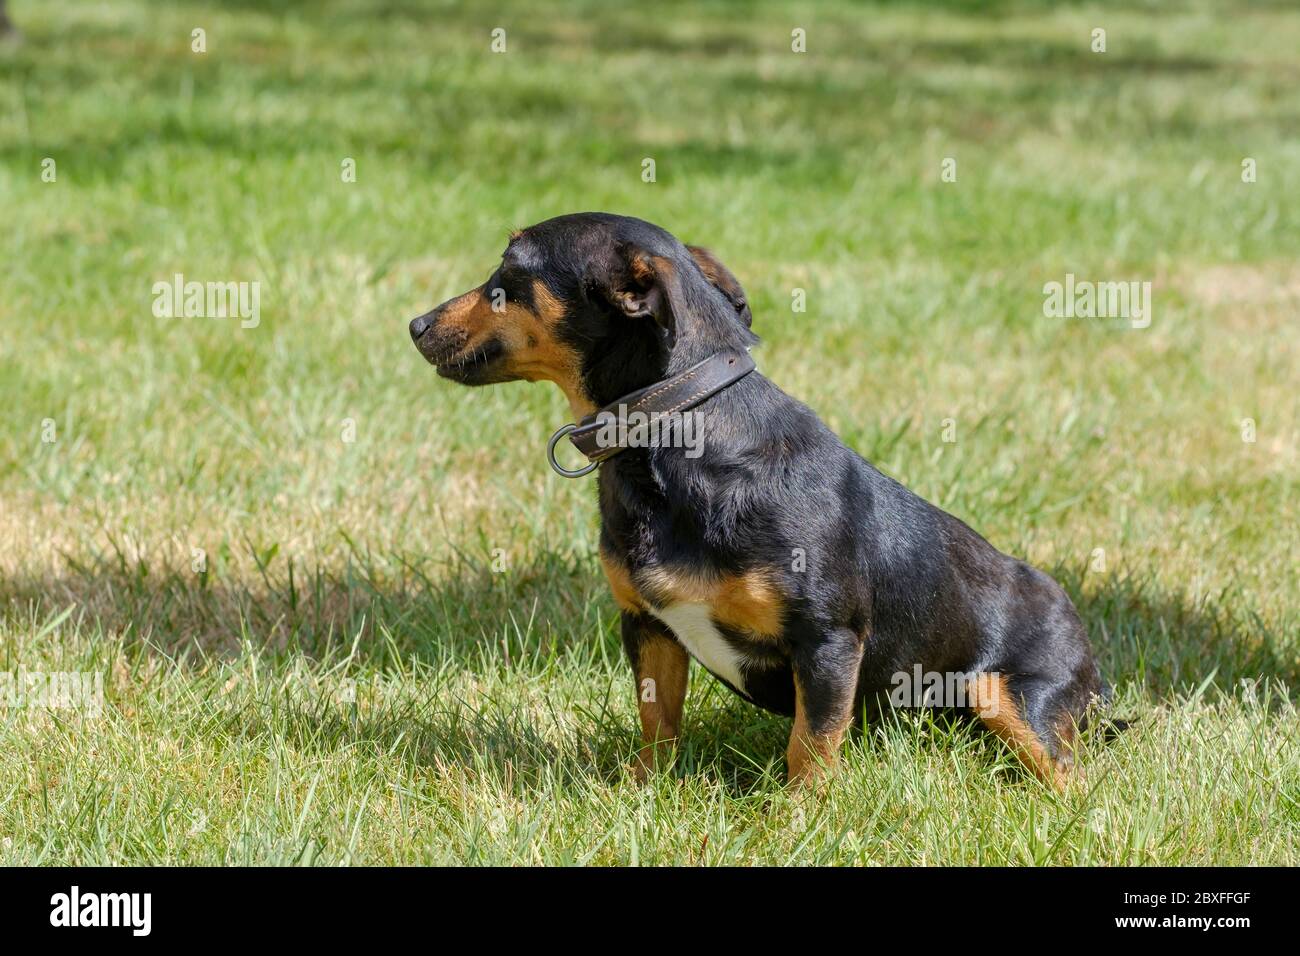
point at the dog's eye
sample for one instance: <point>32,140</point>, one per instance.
<point>505,286</point>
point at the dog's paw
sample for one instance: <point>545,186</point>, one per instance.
<point>638,772</point>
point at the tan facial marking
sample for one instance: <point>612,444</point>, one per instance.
<point>534,351</point>
<point>471,314</point>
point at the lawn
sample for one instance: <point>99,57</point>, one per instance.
<point>343,612</point>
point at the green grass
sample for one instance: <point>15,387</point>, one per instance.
<point>350,681</point>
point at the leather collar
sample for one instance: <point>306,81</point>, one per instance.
<point>604,433</point>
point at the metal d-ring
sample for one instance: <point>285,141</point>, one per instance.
<point>550,454</point>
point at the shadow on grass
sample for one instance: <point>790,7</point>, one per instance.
<point>469,621</point>
<point>411,607</point>
<point>1165,642</point>
<point>725,743</point>
<point>281,606</point>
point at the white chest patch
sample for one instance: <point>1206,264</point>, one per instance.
<point>695,629</point>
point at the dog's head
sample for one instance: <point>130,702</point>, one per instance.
<point>593,302</point>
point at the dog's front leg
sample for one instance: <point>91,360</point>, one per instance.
<point>825,683</point>
<point>661,666</point>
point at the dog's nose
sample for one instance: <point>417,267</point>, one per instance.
<point>420,325</point>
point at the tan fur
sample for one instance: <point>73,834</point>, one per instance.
<point>748,602</point>
<point>543,357</point>
<point>996,706</point>
<point>534,351</point>
<point>643,267</point>
<point>716,272</point>
<point>620,583</point>
<point>809,755</point>
<point>665,662</point>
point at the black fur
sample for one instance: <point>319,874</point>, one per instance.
<point>890,580</point>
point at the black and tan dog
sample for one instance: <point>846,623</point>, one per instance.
<point>786,564</point>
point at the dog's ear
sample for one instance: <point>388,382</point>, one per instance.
<point>723,279</point>
<point>641,285</point>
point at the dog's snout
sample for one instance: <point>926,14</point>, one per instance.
<point>420,325</point>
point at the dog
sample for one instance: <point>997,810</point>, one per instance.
<point>787,565</point>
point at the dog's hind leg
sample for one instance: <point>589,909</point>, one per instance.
<point>825,683</point>
<point>1036,718</point>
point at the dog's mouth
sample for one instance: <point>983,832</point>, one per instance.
<point>472,366</point>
